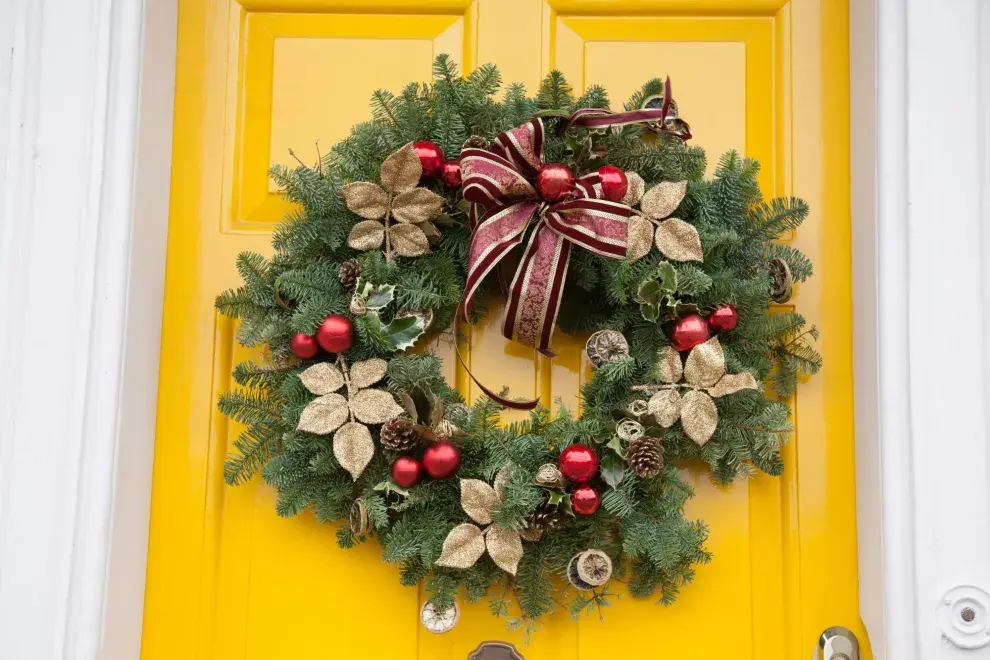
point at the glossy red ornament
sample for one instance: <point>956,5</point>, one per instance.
<point>442,459</point>
<point>407,471</point>
<point>304,346</point>
<point>579,463</point>
<point>554,182</point>
<point>450,174</point>
<point>688,332</point>
<point>585,500</point>
<point>335,334</point>
<point>614,182</point>
<point>723,319</point>
<point>430,157</point>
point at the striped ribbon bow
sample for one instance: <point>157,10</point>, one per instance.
<point>499,181</point>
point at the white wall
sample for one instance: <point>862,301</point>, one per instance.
<point>85,126</point>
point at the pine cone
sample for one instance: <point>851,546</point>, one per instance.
<point>399,435</point>
<point>349,272</point>
<point>546,517</point>
<point>645,457</point>
<point>475,142</point>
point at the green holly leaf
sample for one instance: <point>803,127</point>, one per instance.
<point>556,497</point>
<point>650,312</point>
<point>650,293</point>
<point>390,487</point>
<point>615,444</point>
<point>612,469</point>
<point>403,332</point>
<point>668,276</point>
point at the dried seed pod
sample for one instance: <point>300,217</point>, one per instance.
<point>781,282</point>
<point>358,518</point>
<point>549,476</point>
<point>606,346</point>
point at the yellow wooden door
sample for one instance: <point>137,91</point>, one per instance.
<point>227,578</point>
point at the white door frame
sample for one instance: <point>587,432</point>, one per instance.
<point>85,143</point>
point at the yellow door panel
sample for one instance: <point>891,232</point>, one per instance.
<point>257,78</point>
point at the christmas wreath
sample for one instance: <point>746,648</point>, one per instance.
<point>597,221</point>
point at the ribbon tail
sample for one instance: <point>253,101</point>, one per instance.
<point>502,228</point>
<point>514,404</point>
<point>536,290</point>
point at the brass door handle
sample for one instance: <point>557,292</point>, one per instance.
<point>837,643</point>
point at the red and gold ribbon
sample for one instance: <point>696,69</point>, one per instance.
<point>500,184</point>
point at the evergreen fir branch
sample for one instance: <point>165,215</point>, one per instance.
<point>555,92</point>
<point>235,303</point>
<point>251,408</point>
<point>778,216</point>
<point>254,446</point>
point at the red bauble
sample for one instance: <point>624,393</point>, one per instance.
<point>614,182</point>
<point>585,500</point>
<point>688,332</point>
<point>554,182</point>
<point>430,157</point>
<point>407,471</point>
<point>450,173</point>
<point>578,463</point>
<point>304,346</point>
<point>442,459</point>
<point>336,333</point>
<point>723,319</point>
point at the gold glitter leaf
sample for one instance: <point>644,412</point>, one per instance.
<point>505,548</point>
<point>323,415</point>
<point>699,416</point>
<point>732,383</point>
<point>366,235</point>
<point>353,447</point>
<point>409,240</point>
<point>368,372</point>
<point>374,406</point>
<point>634,191</point>
<point>416,205</point>
<point>463,547</point>
<point>402,170</point>
<point>431,230</point>
<point>478,500</point>
<point>679,241</point>
<point>639,238</point>
<point>366,199</point>
<point>665,406</point>
<point>663,199</point>
<point>501,481</point>
<point>670,368</point>
<point>322,378</point>
<point>705,364</point>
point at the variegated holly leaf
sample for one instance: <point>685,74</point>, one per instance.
<point>401,333</point>
<point>705,365</point>
<point>374,297</point>
<point>417,205</point>
<point>409,240</point>
<point>366,235</point>
<point>402,170</point>
<point>373,406</point>
<point>368,200</point>
<point>665,407</point>
<point>504,547</point>
<point>639,238</point>
<point>353,447</point>
<point>732,383</point>
<point>323,415</point>
<point>463,547</point>
<point>669,368</point>
<point>478,500</point>
<point>699,416</point>
<point>368,372</point>
<point>663,199</point>
<point>679,241</point>
<point>322,378</point>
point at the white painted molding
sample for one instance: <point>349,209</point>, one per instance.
<point>85,143</point>
<point>922,326</point>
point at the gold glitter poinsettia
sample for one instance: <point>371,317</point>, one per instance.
<point>347,415</point>
<point>677,240</point>
<point>703,375</point>
<point>466,543</point>
<point>400,200</point>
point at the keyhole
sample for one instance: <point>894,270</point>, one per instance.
<point>967,614</point>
